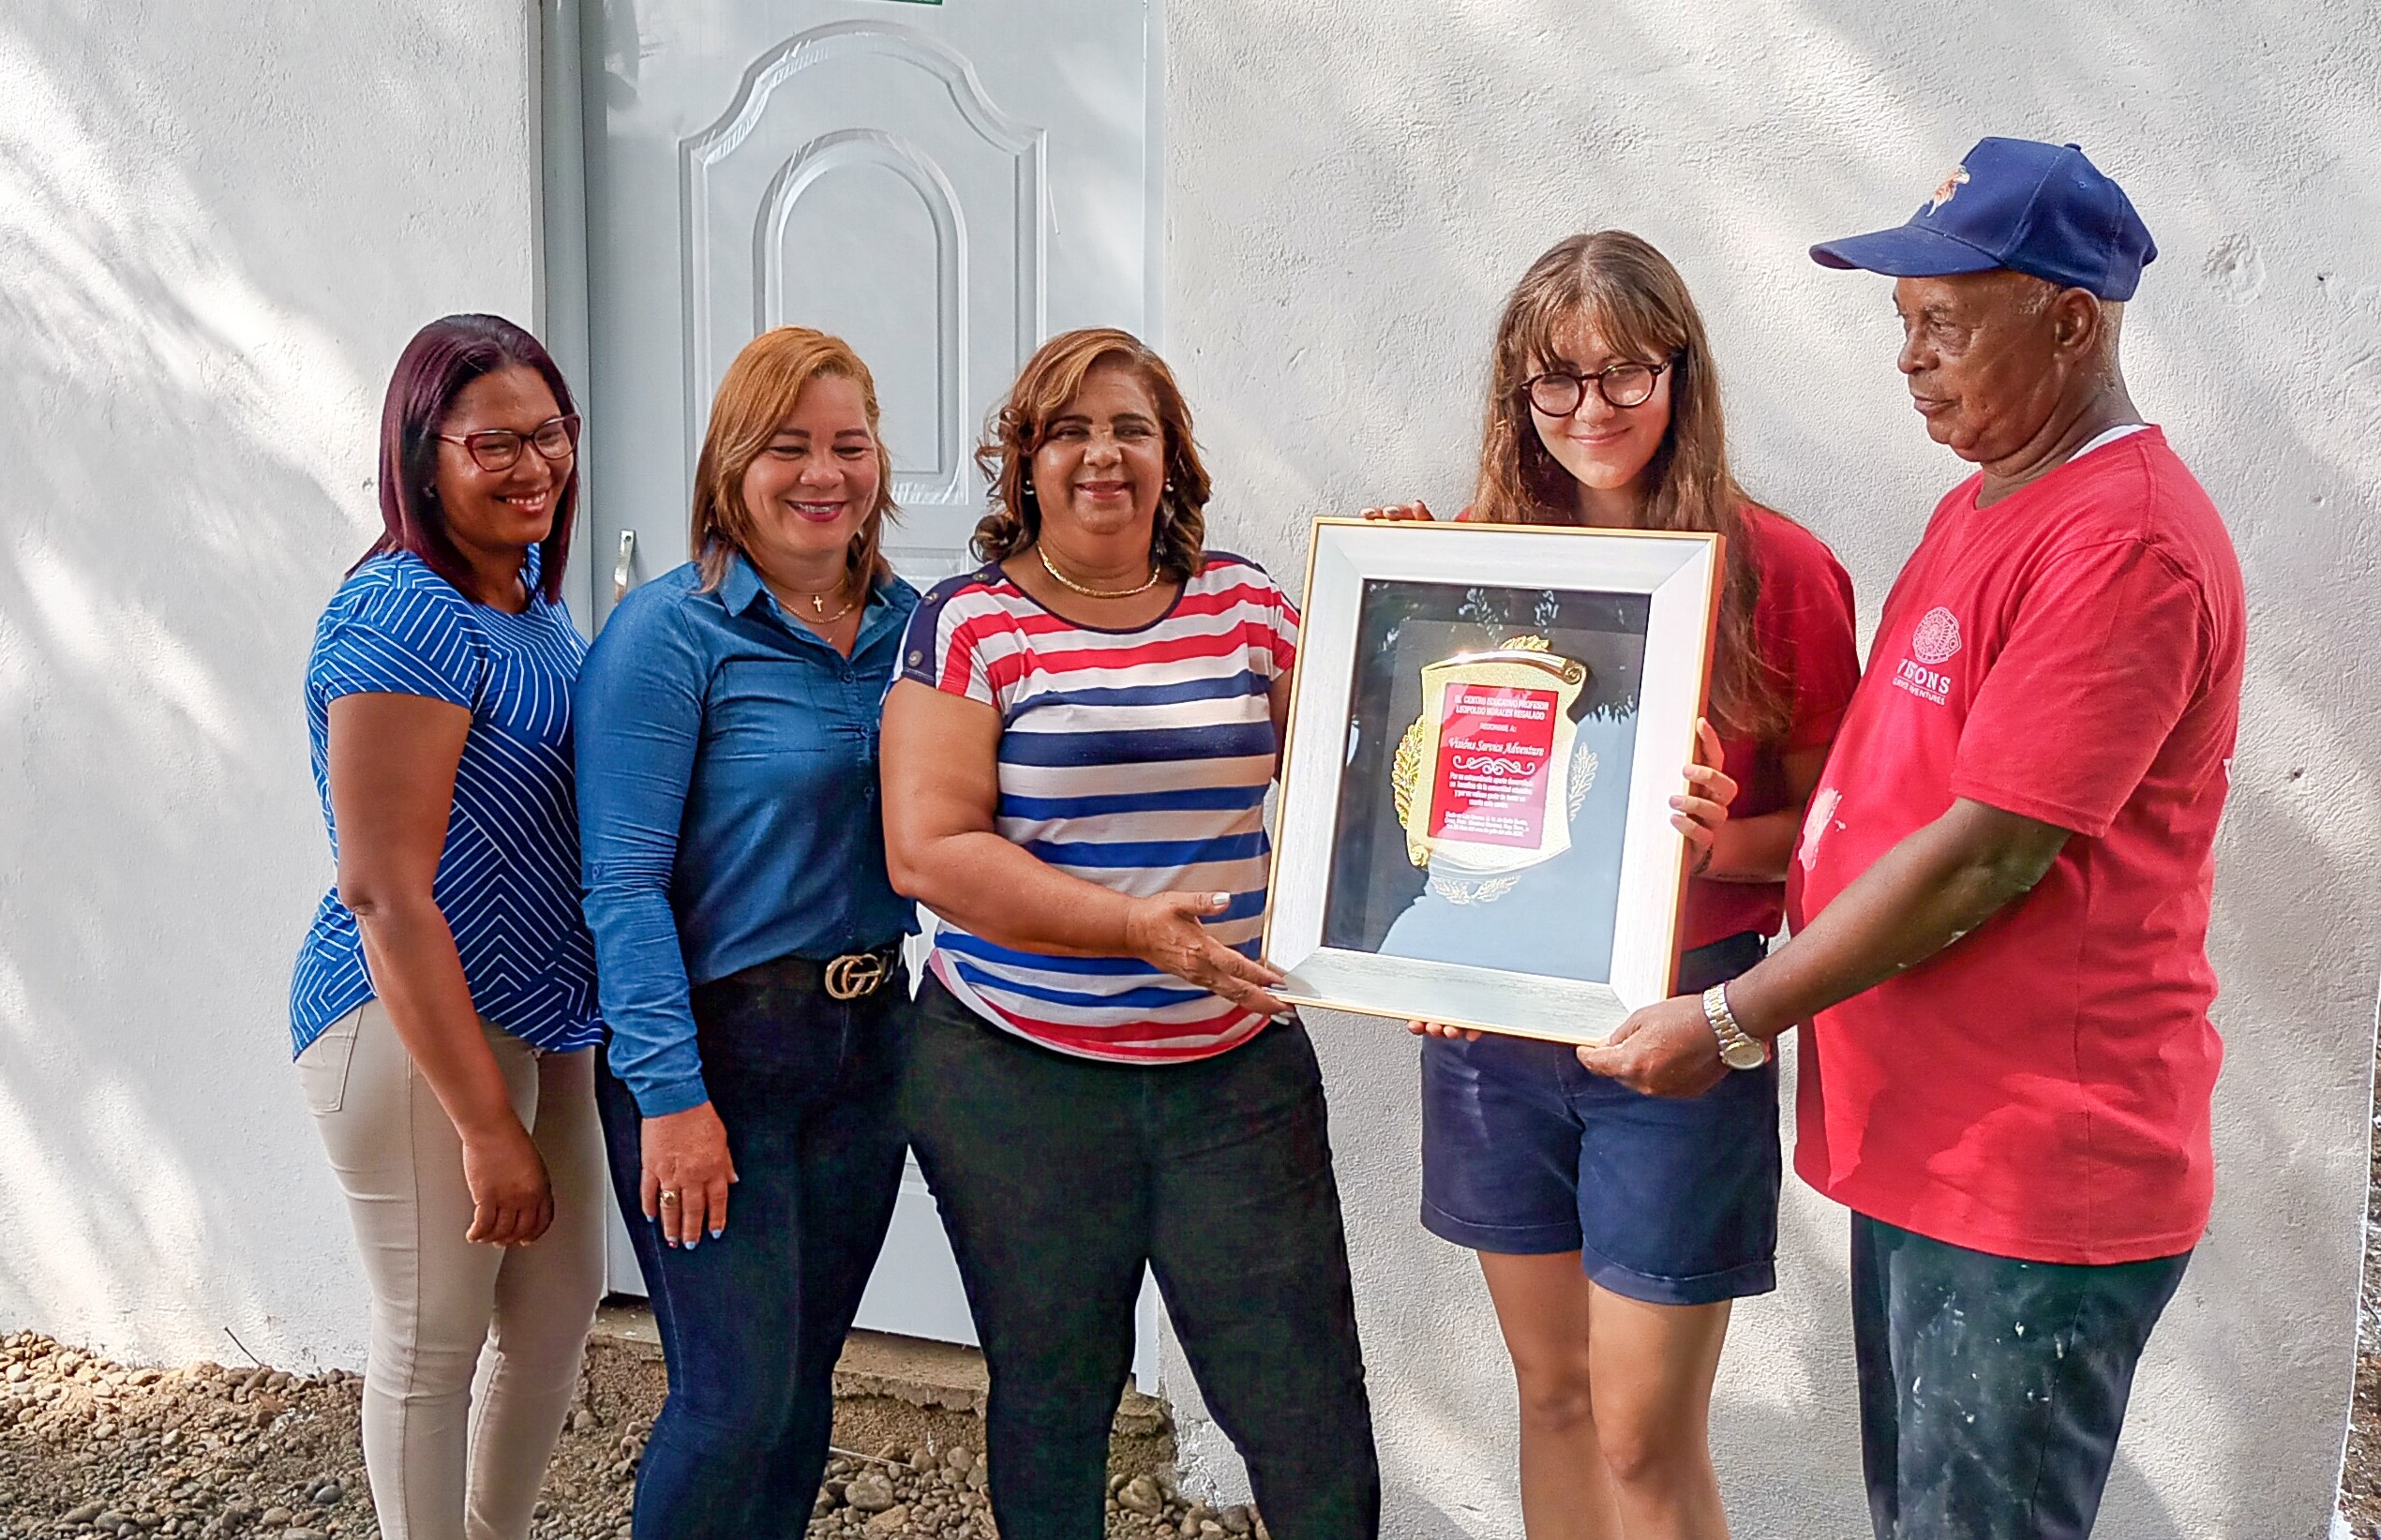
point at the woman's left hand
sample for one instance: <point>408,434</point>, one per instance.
<point>1699,812</point>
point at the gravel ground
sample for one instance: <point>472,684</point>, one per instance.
<point>2360,1479</point>
<point>89,1447</point>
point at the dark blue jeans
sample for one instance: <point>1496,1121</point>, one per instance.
<point>750,1324</point>
<point>1058,1178</point>
<point>1992,1390</point>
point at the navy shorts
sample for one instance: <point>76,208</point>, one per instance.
<point>1667,1199</point>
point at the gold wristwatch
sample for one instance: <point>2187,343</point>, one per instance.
<point>1737,1049</point>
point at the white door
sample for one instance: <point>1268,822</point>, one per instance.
<point>942,183</point>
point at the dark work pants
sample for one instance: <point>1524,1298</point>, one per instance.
<point>1992,1390</point>
<point>750,1324</point>
<point>1059,1177</point>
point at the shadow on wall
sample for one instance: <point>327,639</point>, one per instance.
<point>209,270</point>
<point>1329,306</point>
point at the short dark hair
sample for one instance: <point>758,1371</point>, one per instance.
<point>445,356</point>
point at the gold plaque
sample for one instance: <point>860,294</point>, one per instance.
<point>1487,778</point>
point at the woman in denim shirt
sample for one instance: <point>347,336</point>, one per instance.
<point>746,937</point>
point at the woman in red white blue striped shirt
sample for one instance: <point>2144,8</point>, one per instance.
<point>1075,760</point>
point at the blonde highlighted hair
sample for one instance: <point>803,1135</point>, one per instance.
<point>756,396</point>
<point>1177,540</point>
<point>1634,301</point>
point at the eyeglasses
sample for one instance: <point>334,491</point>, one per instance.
<point>498,448</point>
<point>1558,393</point>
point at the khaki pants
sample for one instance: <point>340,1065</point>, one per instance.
<point>448,1462</point>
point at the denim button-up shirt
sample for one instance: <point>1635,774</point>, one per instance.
<point>728,804</point>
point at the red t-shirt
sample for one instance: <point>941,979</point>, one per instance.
<point>1802,625</point>
<point>2040,1088</point>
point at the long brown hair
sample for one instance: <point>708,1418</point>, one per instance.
<point>1634,300</point>
<point>757,394</point>
<point>1177,542</point>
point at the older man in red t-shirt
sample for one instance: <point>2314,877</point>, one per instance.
<point>2004,879</point>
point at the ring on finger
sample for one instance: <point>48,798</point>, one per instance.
<point>670,1197</point>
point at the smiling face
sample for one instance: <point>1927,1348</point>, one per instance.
<point>496,516</point>
<point>1984,356</point>
<point>1100,467</point>
<point>1604,447</point>
<point>814,487</point>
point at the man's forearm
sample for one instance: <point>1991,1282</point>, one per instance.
<point>1921,896</point>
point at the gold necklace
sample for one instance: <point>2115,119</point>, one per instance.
<point>1070,583</point>
<point>819,614</point>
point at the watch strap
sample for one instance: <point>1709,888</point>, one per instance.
<point>1737,1049</point>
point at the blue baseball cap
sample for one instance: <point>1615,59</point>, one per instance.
<point>2034,208</point>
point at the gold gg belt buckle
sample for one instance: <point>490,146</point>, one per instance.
<point>856,976</point>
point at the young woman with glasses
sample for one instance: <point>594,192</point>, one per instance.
<point>443,1009</point>
<point>1614,1228</point>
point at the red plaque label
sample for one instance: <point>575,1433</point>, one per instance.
<point>1490,779</point>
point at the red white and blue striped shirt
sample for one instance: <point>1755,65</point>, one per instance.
<point>1135,759</point>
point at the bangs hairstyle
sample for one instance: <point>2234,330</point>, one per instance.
<point>753,400</point>
<point>1177,539</point>
<point>444,358</point>
<point>1619,287</point>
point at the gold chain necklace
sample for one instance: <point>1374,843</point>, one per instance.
<point>819,614</point>
<point>1067,582</point>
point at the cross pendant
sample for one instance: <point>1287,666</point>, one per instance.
<point>818,604</point>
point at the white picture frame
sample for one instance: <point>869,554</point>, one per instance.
<point>1327,799</point>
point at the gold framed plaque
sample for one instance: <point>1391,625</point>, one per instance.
<point>1487,724</point>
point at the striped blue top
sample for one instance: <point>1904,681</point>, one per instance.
<point>508,878</point>
<point>1134,759</point>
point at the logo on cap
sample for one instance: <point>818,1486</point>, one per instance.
<point>1948,188</point>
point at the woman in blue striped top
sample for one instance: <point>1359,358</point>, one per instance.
<point>443,1007</point>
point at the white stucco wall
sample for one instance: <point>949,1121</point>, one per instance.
<point>1352,188</point>
<point>219,224</point>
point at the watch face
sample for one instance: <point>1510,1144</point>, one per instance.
<point>1745,1054</point>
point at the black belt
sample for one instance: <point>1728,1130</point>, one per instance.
<point>857,975</point>
<point>1719,961</point>
<point>853,976</point>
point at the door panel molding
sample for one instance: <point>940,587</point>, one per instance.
<point>701,154</point>
<point>874,148</point>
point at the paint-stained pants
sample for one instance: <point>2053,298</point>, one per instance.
<point>1992,1390</point>
<point>446,1464</point>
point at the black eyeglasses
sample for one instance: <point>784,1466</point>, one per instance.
<point>498,448</point>
<point>1558,393</point>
